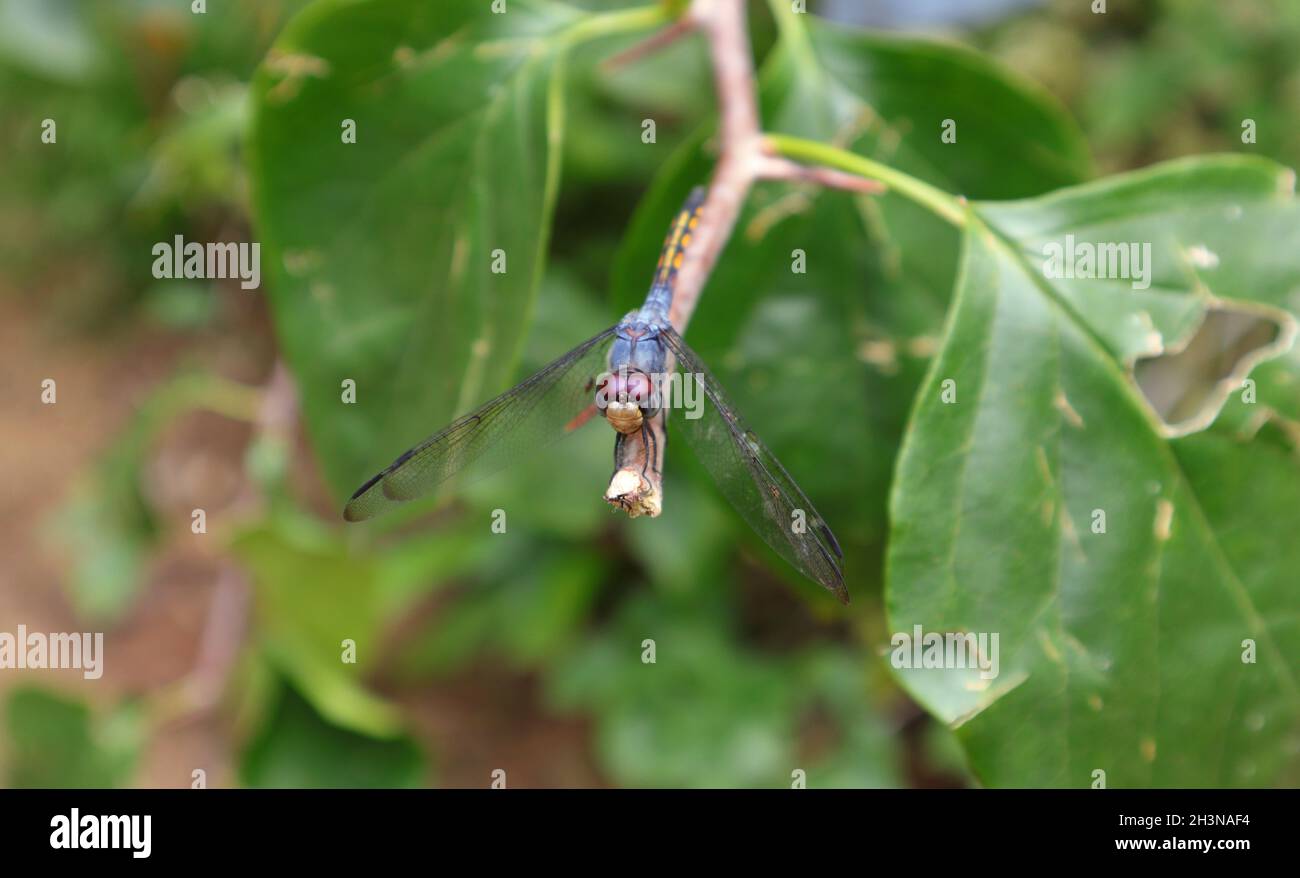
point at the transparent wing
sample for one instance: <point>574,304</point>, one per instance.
<point>753,480</point>
<point>522,419</point>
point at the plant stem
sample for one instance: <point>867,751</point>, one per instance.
<point>793,33</point>
<point>941,203</point>
<point>623,21</point>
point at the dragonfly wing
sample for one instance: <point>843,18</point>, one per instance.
<point>754,481</point>
<point>522,419</point>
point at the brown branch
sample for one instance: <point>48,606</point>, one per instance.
<point>743,159</point>
<point>651,44</point>
<point>628,489</point>
<point>777,168</point>
<point>722,22</point>
<point>227,621</point>
<point>223,635</point>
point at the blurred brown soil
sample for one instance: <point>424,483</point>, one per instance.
<point>491,717</point>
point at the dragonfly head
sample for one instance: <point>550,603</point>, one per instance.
<point>626,397</point>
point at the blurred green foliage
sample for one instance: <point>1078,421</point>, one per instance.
<point>148,101</point>
<point>55,741</point>
<point>1166,78</point>
<point>154,107</point>
<point>682,703</point>
<point>107,517</point>
<point>296,748</point>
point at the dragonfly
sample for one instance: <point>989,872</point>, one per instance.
<point>619,371</point>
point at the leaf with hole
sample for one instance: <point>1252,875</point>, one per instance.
<point>1142,590</point>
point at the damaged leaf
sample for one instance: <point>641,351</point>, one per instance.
<point>1157,265</point>
<point>1141,590</point>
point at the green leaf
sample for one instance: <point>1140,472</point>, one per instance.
<point>610,107</point>
<point>298,748</point>
<point>889,97</point>
<point>55,742</point>
<point>1221,226</point>
<point>381,251</point>
<point>312,594</point>
<point>1120,640</point>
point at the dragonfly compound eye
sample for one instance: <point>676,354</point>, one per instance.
<point>638,388</point>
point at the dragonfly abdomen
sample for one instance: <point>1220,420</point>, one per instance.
<point>680,236</point>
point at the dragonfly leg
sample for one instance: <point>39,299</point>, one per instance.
<point>648,443</point>
<point>618,449</point>
<point>656,455</point>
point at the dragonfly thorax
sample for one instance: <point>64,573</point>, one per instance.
<point>638,346</point>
